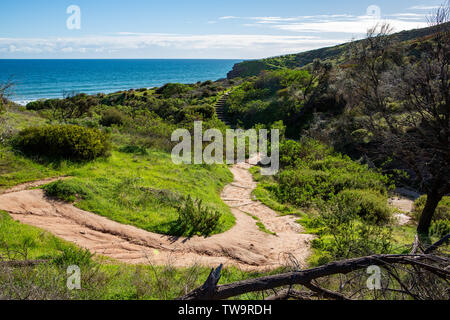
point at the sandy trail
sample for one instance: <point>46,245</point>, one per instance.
<point>244,246</point>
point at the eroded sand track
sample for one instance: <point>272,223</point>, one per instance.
<point>244,246</point>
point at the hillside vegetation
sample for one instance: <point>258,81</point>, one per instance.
<point>356,122</point>
<point>336,54</point>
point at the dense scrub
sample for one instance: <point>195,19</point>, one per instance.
<point>440,225</point>
<point>342,201</point>
<point>291,96</point>
<point>313,175</point>
<point>62,141</point>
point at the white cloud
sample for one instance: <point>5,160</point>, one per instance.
<point>125,40</point>
<point>345,24</point>
<point>423,7</point>
<point>252,45</point>
<point>228,18</point>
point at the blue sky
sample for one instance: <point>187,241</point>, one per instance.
<point>194,29</point>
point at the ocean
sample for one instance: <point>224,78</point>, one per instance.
<point>43,79</point>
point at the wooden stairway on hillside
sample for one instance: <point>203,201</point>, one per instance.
<point>220,110</point>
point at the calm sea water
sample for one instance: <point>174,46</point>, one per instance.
<point>37,79</point>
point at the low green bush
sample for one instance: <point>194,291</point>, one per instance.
<point>440,228</point>
<point>306,187</point>
<point>367,204</point>
<point>112,117</point>
<point>352,238</point>
<point>195,219</point>
<point>134,149</point>
<point>62,141</point>
<point>41,104</point>
<point>74,256</point>
<point>173,89</point>
<point>66,190</point>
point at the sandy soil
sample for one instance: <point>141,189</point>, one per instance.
<point>405,205</point>
<point>244,246</point>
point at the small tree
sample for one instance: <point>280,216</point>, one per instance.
<point>73,105</point>
<point>416,132</point>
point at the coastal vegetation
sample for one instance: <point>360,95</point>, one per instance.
<point>357,121</point>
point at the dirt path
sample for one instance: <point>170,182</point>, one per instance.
<point>30,185</point>
<point>244,245</point>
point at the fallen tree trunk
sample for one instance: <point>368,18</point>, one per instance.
<point>210,291</point>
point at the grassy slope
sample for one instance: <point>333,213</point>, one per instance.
<point>105,278</point>
<point>114,189</point>
<point>114,185</point>
<point>40,244</point>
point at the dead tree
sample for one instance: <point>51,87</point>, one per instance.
<point>418,276</point>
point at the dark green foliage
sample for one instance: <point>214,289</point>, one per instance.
<point>73,106</point>
<point>204,111</point>
<point>195,219</point>
<point>286,95</point>
<point>112,117</point>
<point>67,190</point>
<point>345,236</point>
<point>62,141</point>
<point>367,204</point>
<point>312,183</point>
<point>336,53</point>
<point>293,153</point>
<point>173,89</point>
<point>41,104</point>
<point>440,228</point>
<point>442,211</point>
<point>134,149</point>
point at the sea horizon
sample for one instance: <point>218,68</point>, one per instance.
<point>37,79</point>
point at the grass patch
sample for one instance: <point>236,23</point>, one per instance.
<point>27,242</point>
<point>260,225</point>
<point>263,228</point>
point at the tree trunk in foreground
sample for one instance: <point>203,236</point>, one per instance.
<point>433,199</point>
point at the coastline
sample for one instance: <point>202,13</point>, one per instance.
<point>37,79</point>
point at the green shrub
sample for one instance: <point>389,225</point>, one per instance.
<point>293,153</point>
<point>440,228</point>
<point>66,190</point>
<point>134,149</point>
<point>74,256</point>
<point>367,204</point>
<point>41,104</point>
<point>112,117</point>
<point>351,239</point>
<point>305,187</point>
<point>194,219</point>
<point>442,211</point>
<point>173,89</point>
<point>205,111</point>
<point>63,141</point>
